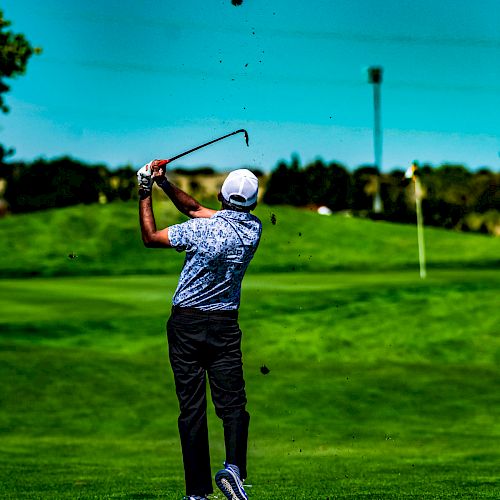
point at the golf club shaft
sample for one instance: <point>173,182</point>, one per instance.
<point>164,162</point>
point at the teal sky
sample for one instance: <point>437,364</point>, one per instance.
<point>125,81</point>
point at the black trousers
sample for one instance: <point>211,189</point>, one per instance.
<point>202,343</point>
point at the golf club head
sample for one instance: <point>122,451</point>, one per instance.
<point>239,131</point>
<point>204,145</point>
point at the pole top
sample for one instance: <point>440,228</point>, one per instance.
<point>375,74</point>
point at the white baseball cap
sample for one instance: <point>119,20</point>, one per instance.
<point>240,188</point>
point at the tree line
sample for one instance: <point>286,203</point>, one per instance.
<point>452,195</point>
<point>62,182</point>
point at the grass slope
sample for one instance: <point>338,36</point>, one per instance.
<point>380,386</point>
<point>106,239</point>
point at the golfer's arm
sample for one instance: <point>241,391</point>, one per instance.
<point>150,236</point>
<point>184,202</point>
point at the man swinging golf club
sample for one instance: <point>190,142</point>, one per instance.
<point>203,332</point>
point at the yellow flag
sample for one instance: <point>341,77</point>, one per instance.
<point>409,172</point>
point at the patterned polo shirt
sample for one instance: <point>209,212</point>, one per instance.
<point>218,251</point>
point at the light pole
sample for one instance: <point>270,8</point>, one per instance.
<point>375,79</point>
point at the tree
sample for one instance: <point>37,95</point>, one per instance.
<point>364,187</point>
<point>327,185</point>
<point>121,184</point>
<point>58,183</point>
<point>286,186</point>
<point>15,51</point>
<point>340,187</point>
<point>5,153</point>
<point>317,183</point>
<point>394,190</point>
<point>448,193</point>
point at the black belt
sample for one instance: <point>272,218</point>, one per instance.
<point>233,313</point>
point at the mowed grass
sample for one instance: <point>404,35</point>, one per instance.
<point>105,239</point>
<point>381,385</point>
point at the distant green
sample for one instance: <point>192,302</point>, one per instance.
<point>381,385</point>
<point>105,239</point>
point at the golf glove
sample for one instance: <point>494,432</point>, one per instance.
<point>144,177</point>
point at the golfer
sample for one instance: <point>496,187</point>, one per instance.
<point>203,333</point>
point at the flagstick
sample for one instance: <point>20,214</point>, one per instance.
<point>420,227</point>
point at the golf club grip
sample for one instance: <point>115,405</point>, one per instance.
<point>207,144</point>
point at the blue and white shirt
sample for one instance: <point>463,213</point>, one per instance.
<point>218,251</point>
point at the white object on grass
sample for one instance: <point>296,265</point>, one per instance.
<point>324,211</point>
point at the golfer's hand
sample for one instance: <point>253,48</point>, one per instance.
<point>144,177</point>
<point>159,168</point>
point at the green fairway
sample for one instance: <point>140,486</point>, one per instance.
<point>380,386</point>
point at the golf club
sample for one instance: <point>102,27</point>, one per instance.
<point>164,162</point>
